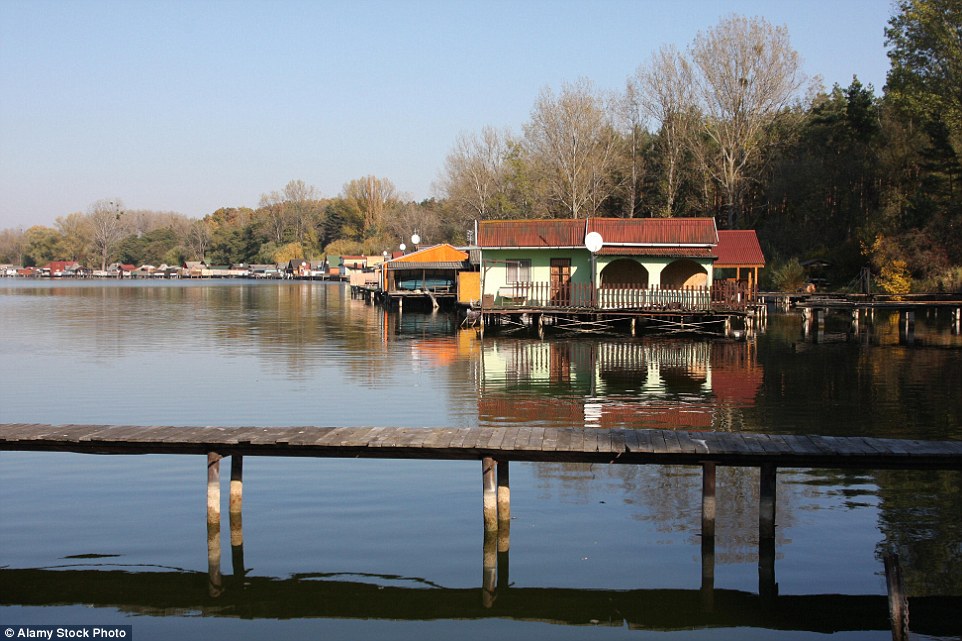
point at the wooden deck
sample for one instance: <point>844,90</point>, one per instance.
<point>589,445</point>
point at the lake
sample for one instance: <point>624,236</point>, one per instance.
<point>383,549</point>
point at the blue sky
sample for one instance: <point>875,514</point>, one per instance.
<point>189,106</point>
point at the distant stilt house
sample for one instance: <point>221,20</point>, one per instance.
<point>298,268</point>
<point>430,274</point>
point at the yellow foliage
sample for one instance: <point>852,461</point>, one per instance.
<point>893,273</point>
<point>288,252</point>
<point>894,277</point>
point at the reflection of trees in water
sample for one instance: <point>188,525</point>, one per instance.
<point>669,496</point>
<point>920,515</point>
<point>856,389</point>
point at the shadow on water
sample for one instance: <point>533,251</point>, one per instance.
<point>160,593</point>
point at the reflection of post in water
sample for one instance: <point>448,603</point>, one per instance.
<point>236,521</point>
<point>767,588</point>
<point>898,602</point>
<point>708,536</point>
<point>214,581</point>
<point>906,327</point>
<point>497,528</point>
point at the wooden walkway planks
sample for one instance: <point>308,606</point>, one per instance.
<point>514,443</point>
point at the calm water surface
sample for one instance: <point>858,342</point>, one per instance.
<point>351,549</point>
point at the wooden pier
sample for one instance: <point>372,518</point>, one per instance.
<point>496,448</point>
<point>585,445</point>
<point>582,309</point>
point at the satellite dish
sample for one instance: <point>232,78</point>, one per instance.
<point>594,242</point>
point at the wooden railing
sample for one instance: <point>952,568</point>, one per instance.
<point>722,295</point>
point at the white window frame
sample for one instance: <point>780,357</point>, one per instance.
<point>518,270</point>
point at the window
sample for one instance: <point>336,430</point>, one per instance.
<point>519,271</point>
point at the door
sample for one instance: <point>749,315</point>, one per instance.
<point>561,281</point>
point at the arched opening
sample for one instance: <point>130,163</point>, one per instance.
<point>684,273</point>
<point>623,272</point>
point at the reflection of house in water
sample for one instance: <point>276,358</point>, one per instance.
<point>670,384</point>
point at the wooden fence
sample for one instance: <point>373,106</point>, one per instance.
<point>723,295</point>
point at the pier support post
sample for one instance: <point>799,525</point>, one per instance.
<point>490,494</point>
<point>214,579</point>
<point>708,536</point>
<point>898,603</point>
<point>957,320</point>
<point>504,495</point>
<point>236,483</point>
<point>213,487</point>
<point>708,499</point>
<point>767,588</point>
<point>234,511</point>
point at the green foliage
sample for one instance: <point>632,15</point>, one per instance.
<point>42,246</point>
<point>947,281</point>
<point>344,247</point>
<point>151,248</point>
<point>789,276</point>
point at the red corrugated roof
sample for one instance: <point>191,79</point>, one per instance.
<point>655,231</point>
<point>531,233</point>
<point>671,252</point>
<point>615,231</point>
<point>739,248</point>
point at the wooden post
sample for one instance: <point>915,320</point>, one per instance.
<point>767,588</point>
<point>234,512</point>
<point>214,580</point>
<point>213,487</point>
<point>898,602</point>
<point>236,483</point>
<point>504,495</point>
<point>707,499</point>
<point>708,536</point>
<point>490,494</point>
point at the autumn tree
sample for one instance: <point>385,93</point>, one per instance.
<point>108,228</point>
<point>665,97</point>
<point>301,201</point>
<point>372,196</point>
<point>76,233</point>
<point>41,245</point>
<point>571,143</point>
<point>473,178</point>
<point>12,244</point>
<point>271,206</point>
<point>407,218</point>
<point>745,73</point>
<point>197,241</point>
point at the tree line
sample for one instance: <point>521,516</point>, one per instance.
<point>728,127</point>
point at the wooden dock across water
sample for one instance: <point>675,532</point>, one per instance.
<point>496,448</point>
<point>588,445</point>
